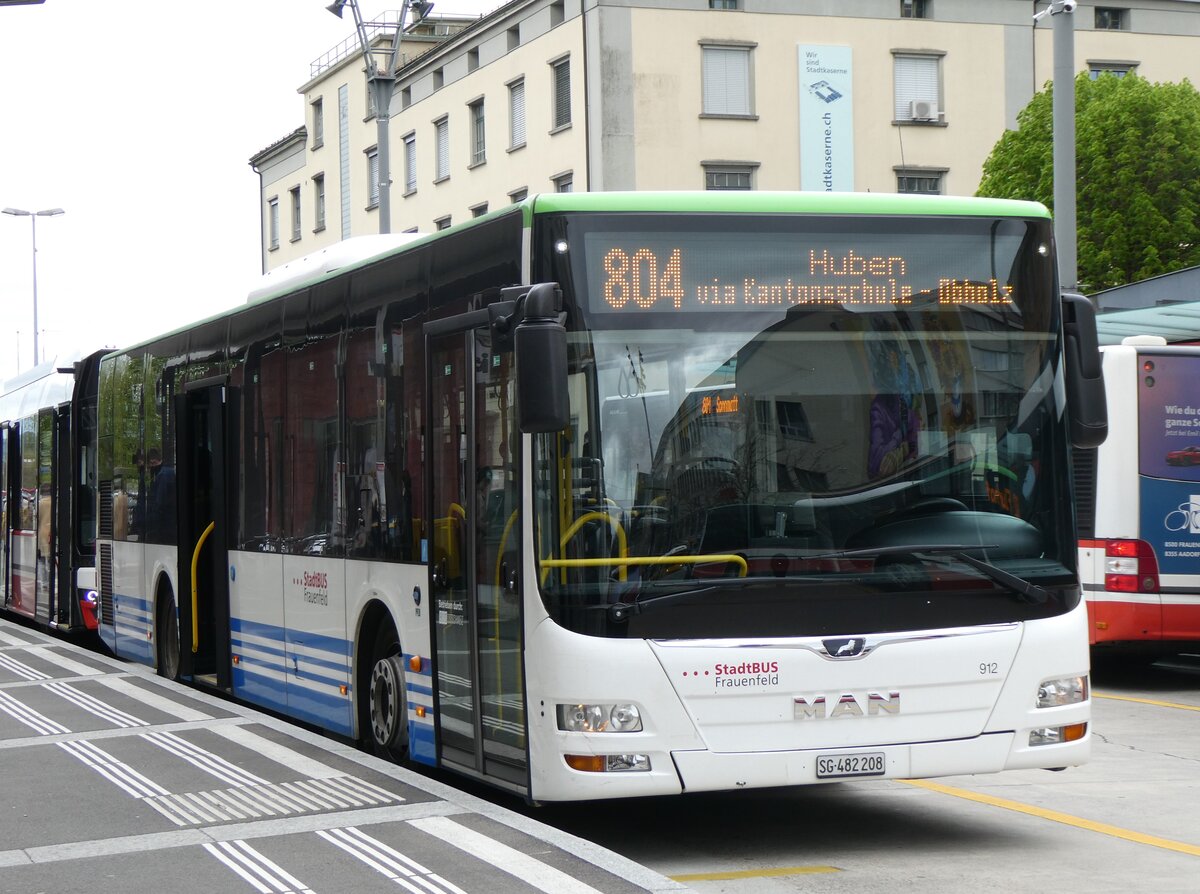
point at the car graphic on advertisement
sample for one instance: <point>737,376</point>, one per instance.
<point>1185,456</point>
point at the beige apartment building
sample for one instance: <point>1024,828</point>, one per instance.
<point>546,95</point>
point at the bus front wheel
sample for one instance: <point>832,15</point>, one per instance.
<point>388,700</point>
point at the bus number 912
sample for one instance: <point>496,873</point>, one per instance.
<point>637,277</point>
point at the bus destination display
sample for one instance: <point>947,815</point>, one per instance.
<point>687,272</point>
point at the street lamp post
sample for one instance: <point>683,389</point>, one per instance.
<point>1063,116</point>
<point>33,216</point>
<point>381,82</point>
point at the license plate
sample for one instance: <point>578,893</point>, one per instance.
<point>836,766</point>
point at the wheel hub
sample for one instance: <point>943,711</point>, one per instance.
<point>387,701</point>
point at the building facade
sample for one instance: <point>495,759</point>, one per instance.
<point>556,95</point>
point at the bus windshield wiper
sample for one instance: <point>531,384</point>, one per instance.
<point>1027,590</point>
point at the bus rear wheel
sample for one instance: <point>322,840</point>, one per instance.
<point>166,627</point>
<point>388,700</point>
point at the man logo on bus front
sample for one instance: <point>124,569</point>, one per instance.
<point>843,648</point>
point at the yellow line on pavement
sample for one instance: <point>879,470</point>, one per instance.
<point>1147,701</point>
<point>1055,816</point>
<point>753,873</point>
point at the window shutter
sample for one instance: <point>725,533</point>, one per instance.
<point>916,78</point>
<point>516,94</point>
<point>726,81</point>
<point>562,93</point>
<point>443,149</point>
<point>478,139</point>
<point>410,164</point>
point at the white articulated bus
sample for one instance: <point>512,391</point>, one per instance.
<point>1139,503</point>
<point>610,495</point>
<point>47,495</point>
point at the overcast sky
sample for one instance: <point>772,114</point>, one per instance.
<point>139,120</point>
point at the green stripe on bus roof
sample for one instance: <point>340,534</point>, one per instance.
<point>713,202</point>
<point>754,202</point>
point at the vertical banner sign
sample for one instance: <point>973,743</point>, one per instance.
<point>826,119</point>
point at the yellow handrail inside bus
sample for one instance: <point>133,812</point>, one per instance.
<point>740,561</point>
<point>503,544</point>
<point>622,546</point>
<point>196,587</point>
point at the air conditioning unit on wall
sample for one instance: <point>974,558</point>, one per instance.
<point>923,110</point>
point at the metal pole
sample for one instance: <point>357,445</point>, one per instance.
<point>33,223</point>
<point>1064,141</point>
<point>33,216</point>
<point>382,86</point>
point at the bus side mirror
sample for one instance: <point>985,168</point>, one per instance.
<point>1087,409</point>
<point>540,344</point>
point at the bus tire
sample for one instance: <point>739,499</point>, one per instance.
<point>166,628</point>
<point>388,699</point>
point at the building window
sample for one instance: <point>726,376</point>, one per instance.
<point>915,9</point>
<point>272,223</point>
<point>373,177</point>
<point>318,182</point>
<point>439,79</point>
<point>294,197</point>
<point>442,223</point>
<point>558,13</point>
<point>918,87</point>
<point>721,176</point>
<point>1117,69</point>
<point>441,136</point>
<point>919,181</point>
<point>479,210</point>
<point>562,92</point>
<point>410,163</point>
<point>516,114</point>
<point>478,133</point>
<point>513,38</point>
<point>722,4</point>
<point>318,123</point>
<point>564,182</point>
<point>519,195</point>
<point>725,76</point>
<point>1109,18</point>
<point>405,97</point>
<point>472,59</point>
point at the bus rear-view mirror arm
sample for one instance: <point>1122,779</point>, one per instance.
<point>1087,408</point>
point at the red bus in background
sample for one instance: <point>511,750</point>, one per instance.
<point>1138,503</point>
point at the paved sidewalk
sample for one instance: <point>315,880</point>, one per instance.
<point>117,780</point>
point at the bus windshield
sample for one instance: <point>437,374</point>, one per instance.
<point>802,426</point>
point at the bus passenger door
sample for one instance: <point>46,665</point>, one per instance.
<point>474,549</point>
<point>202,501</point>
<point>5,500</point>
<point>62,480</point>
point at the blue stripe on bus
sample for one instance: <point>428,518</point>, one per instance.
<point>422,746</point>
<point>313,682</point>
<point>237,642</point>
<point>258,689</point>
<point>329,709</point>
<point>263,661</point>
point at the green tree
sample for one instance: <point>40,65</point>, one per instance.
<point>1137,158</point>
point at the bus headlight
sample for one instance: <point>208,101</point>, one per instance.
<point>1062,691</point>
<point>622,718</point>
